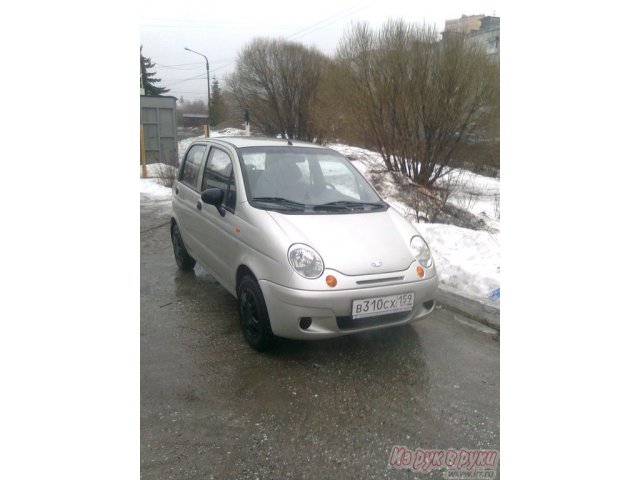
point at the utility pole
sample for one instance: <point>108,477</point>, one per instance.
<point>208,82</point>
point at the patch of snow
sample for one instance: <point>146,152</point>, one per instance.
<point>228,132</point>
<point>156,170</point>
<point>476,194</point>
<point>151,190</point>
<point>468,261</point>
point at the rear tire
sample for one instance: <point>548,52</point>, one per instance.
<point>254,318</point>
<point>183,259</point>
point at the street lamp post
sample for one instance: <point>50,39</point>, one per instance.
<point>208,82</point>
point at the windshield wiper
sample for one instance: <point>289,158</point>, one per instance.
<point>348,205</point>
<point>281,202</point>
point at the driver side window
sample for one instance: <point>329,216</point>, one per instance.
<point>337,174</point>
<point>218,173</point>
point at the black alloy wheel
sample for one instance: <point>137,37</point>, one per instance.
<point>254,318</point>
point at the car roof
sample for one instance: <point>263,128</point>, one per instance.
<point>241,142</point>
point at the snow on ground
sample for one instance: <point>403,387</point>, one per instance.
<point>476,194</point>
<point>151,190</point>
<point>468,261</point>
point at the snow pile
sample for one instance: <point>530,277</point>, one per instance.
<point>468,261</point>
<point>151,190</point>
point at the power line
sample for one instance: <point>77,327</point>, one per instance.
<point>328,21</point>
<point>182,69</point>
<point>220,27</point>
<point>179,64</point>
<point>176,82</point>
<point>316,26</point>
<point>300,33</point>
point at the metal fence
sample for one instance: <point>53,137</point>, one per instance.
<point>158,119</point>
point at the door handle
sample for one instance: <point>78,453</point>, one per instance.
<point>177,190</point>
<point>199,205</point>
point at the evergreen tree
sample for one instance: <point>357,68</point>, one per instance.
<point>218,105</point>
<point>146,77</point>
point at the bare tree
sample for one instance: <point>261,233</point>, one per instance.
<point>414,98</point>
<point>277,81</point>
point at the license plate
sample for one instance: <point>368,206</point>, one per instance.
<point>369,307</point>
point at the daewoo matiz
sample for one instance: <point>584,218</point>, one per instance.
<point>300,238</point>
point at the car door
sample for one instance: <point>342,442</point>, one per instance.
<point>186,197</point>
<point>217,231</point>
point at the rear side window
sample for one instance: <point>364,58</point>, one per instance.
<point>218,173</point>
<point>191,167</point>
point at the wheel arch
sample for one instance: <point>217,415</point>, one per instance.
<point>241,272</point>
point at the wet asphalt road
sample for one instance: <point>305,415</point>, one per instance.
<point>212,408</point>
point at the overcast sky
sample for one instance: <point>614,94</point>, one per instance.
<point>219,30</point>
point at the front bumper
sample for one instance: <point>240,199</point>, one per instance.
<point>330,310</point>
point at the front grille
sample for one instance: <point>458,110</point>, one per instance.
<point>347,322</point>
<point>379,280</point>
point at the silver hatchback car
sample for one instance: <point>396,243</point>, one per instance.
<point>300,238</point>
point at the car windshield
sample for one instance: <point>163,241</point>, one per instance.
<point>305,179</point>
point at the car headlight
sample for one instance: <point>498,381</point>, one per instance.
<point>421,251</point>
<point>305,260</point>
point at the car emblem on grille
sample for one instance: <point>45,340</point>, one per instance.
<point>376,264</point>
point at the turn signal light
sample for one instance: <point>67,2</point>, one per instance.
<point>420,271</point>
<point>331,281</point>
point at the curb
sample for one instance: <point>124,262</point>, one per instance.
<point>477,310</point>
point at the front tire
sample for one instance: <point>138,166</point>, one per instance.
<point>183,259</point>
<point>254,318</point>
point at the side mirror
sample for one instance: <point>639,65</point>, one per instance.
<point>214,196</point>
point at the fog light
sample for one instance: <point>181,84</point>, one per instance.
<point>305,322</point>
<point>420,271</point>
<point>331,281</point>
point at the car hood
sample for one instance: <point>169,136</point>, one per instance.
<point>353,244</point>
